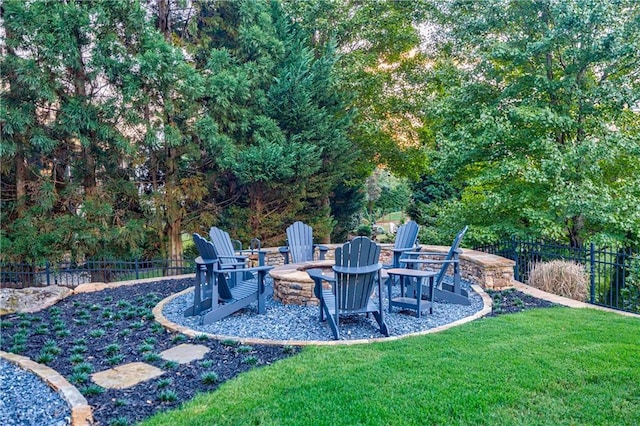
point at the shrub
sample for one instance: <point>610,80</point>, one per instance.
<point>560,277</point>
<point>364,231</point>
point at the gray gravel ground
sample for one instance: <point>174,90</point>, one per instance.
<point>27,400</point>
<point>292,322</point>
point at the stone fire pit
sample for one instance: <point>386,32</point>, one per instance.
<point>292,285</point>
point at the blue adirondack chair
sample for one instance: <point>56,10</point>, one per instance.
<point>230,251</point>
<point>406,241</point>
<point>224,298</point>
<point>356,273</point>
<point>300,246</point>
<point>205,278</point>
<point>452,293</point>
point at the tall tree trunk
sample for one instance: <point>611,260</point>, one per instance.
<point>164,23</point>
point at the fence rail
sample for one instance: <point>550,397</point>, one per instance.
<point>614,274</point>
<point>71,274</point>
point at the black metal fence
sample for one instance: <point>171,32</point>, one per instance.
<point>614,274</point>
<point>71,274</point>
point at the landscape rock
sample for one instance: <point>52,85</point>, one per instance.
<point>31,299</point>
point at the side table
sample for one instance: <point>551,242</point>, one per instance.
<point>405,301</point>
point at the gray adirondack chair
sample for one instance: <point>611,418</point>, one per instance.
<point>356,273</point>
<point>452,293</point>
<point>205,278</point>
<point>226,299</point>
<point>406,241</point>
<point>300,246</point>
<point>230,251</point>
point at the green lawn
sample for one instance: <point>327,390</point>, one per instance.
<point>541,367</point>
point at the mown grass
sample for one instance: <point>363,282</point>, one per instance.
<point>541,367</point>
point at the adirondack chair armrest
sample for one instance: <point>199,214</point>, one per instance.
<point>318,274</point>
<point>237,257</point>
<point>403,250</point>
<point>264,268</point>
<point>200,261</point>
<point>357,269</point>
<point>284,251</point>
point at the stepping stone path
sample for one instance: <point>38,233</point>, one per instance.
<point>128,375</point>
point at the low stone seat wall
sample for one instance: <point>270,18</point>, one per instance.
<point>293,285</point>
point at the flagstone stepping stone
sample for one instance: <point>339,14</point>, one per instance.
<point>185,353</point>
<point>126,375</point>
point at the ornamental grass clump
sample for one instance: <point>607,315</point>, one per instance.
<point>567,279</point>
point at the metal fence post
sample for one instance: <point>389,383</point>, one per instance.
<point>592,272</point>
<point>48,272</point>
<point>514,247</point>
<point>137,269</point>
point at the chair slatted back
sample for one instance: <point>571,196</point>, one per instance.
<point>207,251</point>
<point>300,242</point>
<point>452,251</point>
<point>353,290</point>
<point>223,244</point>
<point>407,235</point>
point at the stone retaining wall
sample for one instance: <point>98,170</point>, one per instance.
<point>293,285</point>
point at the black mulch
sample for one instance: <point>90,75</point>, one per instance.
<point>511,301</point>
<point>92,332</point>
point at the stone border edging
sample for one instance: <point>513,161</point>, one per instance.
<point>171,326</point>
<point>81,413</point>
<point>565,301</point>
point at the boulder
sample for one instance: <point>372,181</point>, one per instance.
<point>30,299</point>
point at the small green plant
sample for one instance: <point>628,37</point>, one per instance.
<point>115,359</point>
<point>97,332</point>
<point>76,358</point>
<point>5,324</point>
<point>145,347</point>
<point>202,338</point>
<point>83,367</point>
<point>55,311</point>
<point>20,338</point>
<point>108,299</point>
<point>229,342</point>
<point>51,346</point>
<point>151,357</point>
<point>108,324</point>
<point>209,378</point>
<point>25,323</point>
<point>167,395</point>
<point>92,389</point>
<point>163,383</point>
<point>119,421</point>
<point>63,333</point>
<point>44,358</point>
<point>119,402</point>
<point>206,363</point>
<point>41,329</point>
<point>107,313</point>
<point>244,349</point>
<point>288,349</point>
<point>156,327</point>
<point>79,378</point>
<point>170,365</point>
<point>59,325</point>
<point>94,307</point>
<point>126,332</point>
<point>17,348</point>
<point>136,325</point>
<point>79,349</point>
<point>179,338</point>
<point>251,360</point>
<point>150,340</point>
<point>80,322</point>
<point>112,349</point>
<point>83,314</point>
<point>123,304</point>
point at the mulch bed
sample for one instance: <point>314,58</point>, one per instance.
<point>92,332</point>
